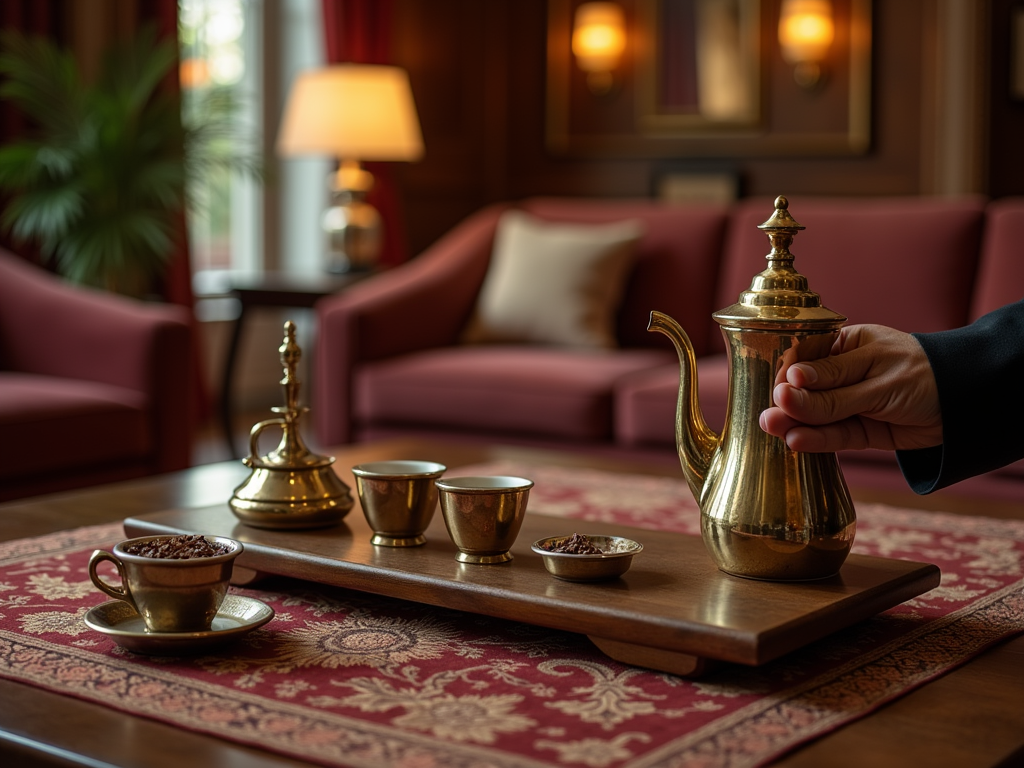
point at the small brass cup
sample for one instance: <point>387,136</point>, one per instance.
<point>483,515</point>
<point>171,595</point>
<point>399,499</point>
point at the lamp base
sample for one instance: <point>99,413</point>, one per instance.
<point>353,229</point>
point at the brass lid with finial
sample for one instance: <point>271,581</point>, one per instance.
<point>290,487</point>
<point>779,296</point>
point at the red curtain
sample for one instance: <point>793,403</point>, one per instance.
<point>177,287</point>
<point>177,283</point>
<point>33,17</point>
<point>359,32</point>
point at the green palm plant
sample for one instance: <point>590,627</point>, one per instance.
<point>101,183</point>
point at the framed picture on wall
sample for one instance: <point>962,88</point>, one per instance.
<point>707,77</point>
<point>698,65</point>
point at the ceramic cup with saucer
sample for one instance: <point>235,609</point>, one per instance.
<point>174,583</point>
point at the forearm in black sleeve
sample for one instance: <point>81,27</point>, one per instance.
<point>979,370</point>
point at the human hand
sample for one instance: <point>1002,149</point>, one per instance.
<point>876,389</point>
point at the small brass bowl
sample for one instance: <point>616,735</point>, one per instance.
<point>616,556</point>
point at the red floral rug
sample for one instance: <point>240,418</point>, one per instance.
<point>343,678</point>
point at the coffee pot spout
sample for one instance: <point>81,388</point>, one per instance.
<point>695,440</point>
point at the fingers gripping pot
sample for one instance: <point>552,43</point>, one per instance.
<point>291,487</point>
<point>767,512</point>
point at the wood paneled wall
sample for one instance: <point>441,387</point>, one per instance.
<point>478,72</point>
<point>1005,124</point>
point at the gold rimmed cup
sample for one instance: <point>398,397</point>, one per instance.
<point>171,593</point>
<point>399,499</point>
<point>483,515</point>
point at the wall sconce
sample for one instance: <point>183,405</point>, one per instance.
<point>598,40</point>
<point>806,30</point>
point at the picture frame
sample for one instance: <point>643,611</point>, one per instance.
<point>785,120</point>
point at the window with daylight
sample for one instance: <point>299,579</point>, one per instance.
<point>218,39</point>
<point>251,50</point>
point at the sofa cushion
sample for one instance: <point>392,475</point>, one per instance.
<point>1016,469</point>
<point>675,267</point>
<point>554,283</point>
<point>522,390</point>
<point>908,263</point>
<point>1001,272</point>
<point>645,402</point>
<point>51,424</point>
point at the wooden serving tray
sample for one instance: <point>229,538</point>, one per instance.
<point>673,610</point>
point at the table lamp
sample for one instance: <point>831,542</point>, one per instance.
<point>351,112</point>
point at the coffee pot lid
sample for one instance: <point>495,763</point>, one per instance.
<point>779,296</point>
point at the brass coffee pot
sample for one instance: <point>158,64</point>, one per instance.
<point>767,512</point>
<point>291,487</point>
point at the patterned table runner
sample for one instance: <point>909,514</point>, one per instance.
<point>343,678</point>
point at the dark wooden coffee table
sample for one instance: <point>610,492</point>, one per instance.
<point>969,717</point>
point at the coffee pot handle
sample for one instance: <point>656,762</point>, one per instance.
<point>253,459</point>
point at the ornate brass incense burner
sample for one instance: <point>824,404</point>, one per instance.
<point>766,512</point>
<point>291,487</point>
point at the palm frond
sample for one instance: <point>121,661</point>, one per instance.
<point>42,81</point>
<point>132,72</point>
<point>43,215</point>
<point>101,181</point>
<point>32,164</point>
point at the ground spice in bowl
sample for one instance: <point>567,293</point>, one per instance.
<point>183,547</point>
<point>577,544</point>
<point>586,558</point>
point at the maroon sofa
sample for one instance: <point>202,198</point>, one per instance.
<point>390,362</point>
<point>93,387</point>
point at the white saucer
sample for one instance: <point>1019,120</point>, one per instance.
<point>237,616</point>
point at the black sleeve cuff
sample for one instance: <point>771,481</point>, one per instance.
<point>978,370</point>
<point>921,468</point>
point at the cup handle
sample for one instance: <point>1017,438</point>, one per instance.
<point>118,593</point>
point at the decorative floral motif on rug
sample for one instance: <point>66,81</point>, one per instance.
<point>343,678</point>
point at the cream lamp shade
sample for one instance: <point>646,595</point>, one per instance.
<point>351,112</point>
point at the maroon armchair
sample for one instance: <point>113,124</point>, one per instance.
<point>93,387</point>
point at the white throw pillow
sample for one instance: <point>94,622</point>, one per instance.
<point>554,283</point>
